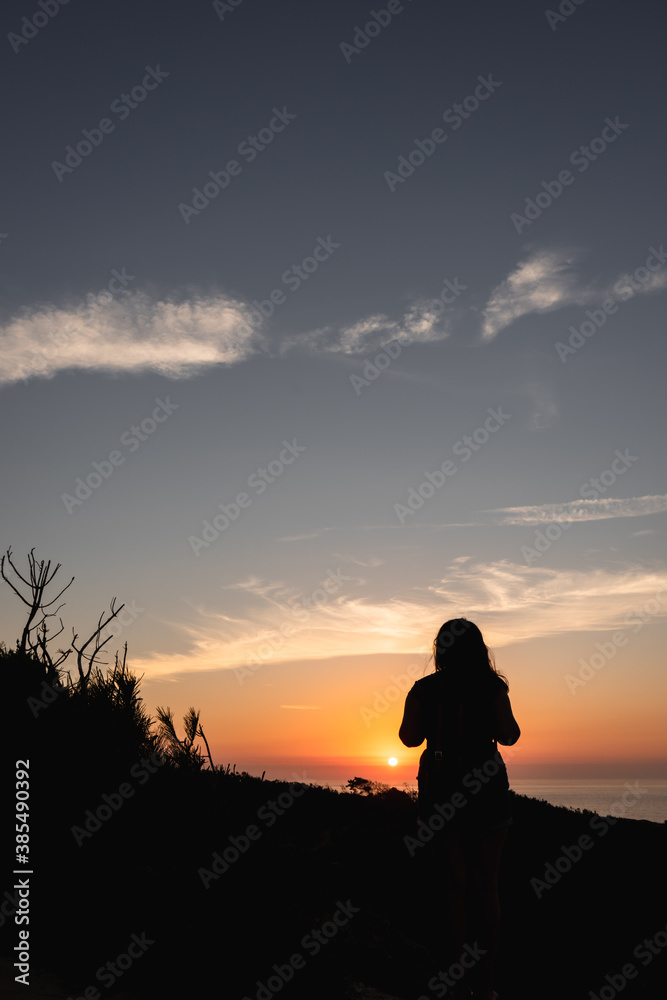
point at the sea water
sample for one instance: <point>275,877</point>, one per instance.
<point>629,798</point>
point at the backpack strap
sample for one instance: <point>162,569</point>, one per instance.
<point>437,753</point>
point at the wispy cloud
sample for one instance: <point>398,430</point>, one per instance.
<point>511,602</point>
<point>548,280</point>
<point>303,708</point>
<point>277,625</point>
<point>572,510</point>
<point>421,323</point>
<point>545,281</point>
<point>134,332</point>
<point>180,336</point>
<point>517,603</point>
<point>305,537</point>
<point>581,510</point>
<point>131,333</point>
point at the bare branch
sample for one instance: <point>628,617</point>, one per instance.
<point>9,560</point>
<point>96,635</point>
<point>58,595</point>
<point>7,580</point>
<point>40,576</point>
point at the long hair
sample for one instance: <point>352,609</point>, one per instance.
<point>463,659</point>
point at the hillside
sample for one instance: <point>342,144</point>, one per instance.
<point>212,867</point>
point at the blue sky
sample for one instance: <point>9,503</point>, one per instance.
<point>321,337</point>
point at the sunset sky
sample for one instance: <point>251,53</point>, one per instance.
<point>315,336</point>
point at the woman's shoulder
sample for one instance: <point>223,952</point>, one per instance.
<point>427,680</point>
<point>425,686</point>
<point>436,683</point>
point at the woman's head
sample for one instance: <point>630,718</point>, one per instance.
<point>460,653</point>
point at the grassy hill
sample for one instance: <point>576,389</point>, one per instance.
<point>230,877</point>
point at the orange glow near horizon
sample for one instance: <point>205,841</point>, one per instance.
<point>345,712</point>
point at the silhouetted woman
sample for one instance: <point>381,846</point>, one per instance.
<point>463,711</point>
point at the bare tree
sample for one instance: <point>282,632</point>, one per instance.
<point>35,637</point>
<point>36,632</point>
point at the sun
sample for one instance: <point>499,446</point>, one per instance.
<point>392,761</point>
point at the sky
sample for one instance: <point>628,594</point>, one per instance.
<point>325,323</point>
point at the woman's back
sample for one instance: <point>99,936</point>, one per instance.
<point>459,720</point>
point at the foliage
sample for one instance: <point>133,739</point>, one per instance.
<point>183,752</point>
<point>364,786</point>
<point>101,711</point>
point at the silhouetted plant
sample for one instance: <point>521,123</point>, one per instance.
<point>364,786</point>
<point>100,712</point>
<point>39,577</point>
<point>183,752</point>
<point>85,661</point>
<point>35,637</point>
<point>113,702</point>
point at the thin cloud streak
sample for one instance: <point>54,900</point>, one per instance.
<point>581,510</point>
<point>421,324</point>
<point>306,537</point>
<point>572,510</point>
<point>305,708</point>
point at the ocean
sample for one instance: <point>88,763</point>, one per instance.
<point>629,798</point>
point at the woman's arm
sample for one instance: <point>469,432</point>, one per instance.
<point>507,728</point>
<point>411,733</point>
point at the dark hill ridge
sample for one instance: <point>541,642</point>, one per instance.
<point>270,889</point>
